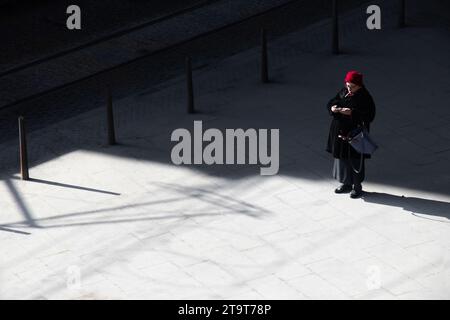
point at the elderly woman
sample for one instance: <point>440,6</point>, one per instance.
<point>352,106</point>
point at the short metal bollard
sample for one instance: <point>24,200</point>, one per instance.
<point>189,86</point>
<point>23,150</point>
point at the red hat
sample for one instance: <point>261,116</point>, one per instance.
<point>354,77</point>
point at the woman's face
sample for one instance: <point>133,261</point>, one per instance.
<point>351,87</point>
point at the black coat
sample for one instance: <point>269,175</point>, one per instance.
<point>363,110</point>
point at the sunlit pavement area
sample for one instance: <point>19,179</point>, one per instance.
<point>123,222</point>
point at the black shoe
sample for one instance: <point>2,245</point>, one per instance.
<point>343,189</point>
<point>356,194</point>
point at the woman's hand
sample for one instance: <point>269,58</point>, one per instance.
<point>335,109</point>
<point>346,111</point>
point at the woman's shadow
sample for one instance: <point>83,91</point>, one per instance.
<point>411,204</point>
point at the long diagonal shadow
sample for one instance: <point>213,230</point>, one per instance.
<point>13,231</point>
<point>237,207</point>
<point>64,185</point>
<point>29,220</point>
<point>213,197</point>
<point>412,204</point>
<point>131,220</point>
<point>102,210</point>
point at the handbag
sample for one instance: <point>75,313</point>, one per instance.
<point>362,143</point>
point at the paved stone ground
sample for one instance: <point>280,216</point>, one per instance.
<point>110,53</point>
<point>32,31</point>
<point>149,72</point>
<point>133,225</point>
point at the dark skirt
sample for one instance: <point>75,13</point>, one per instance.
<point>345,174</point>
